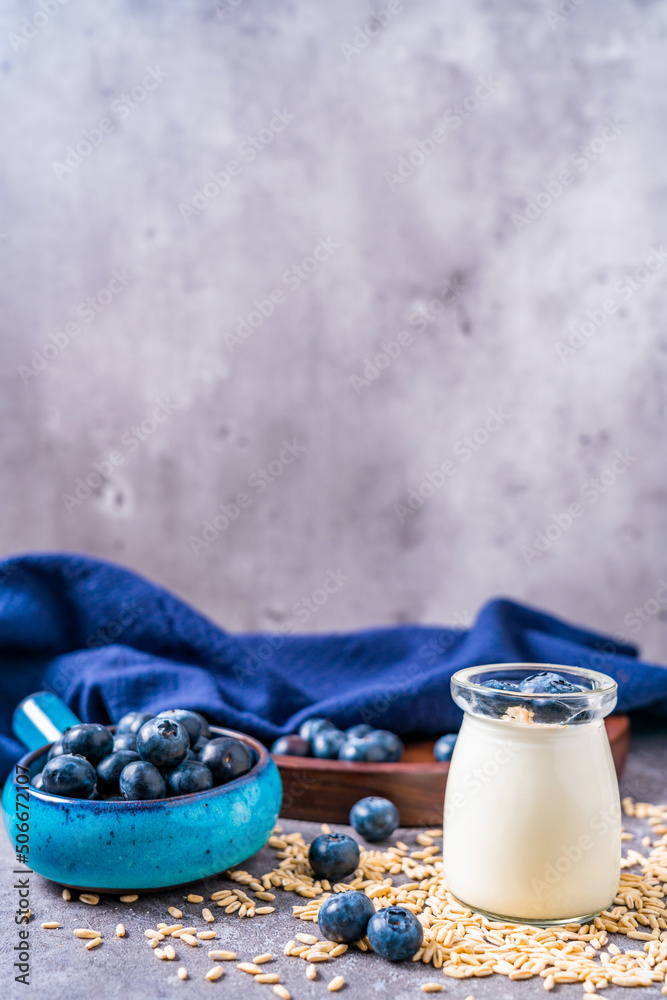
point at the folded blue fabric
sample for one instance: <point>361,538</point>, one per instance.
<point>108,641</point>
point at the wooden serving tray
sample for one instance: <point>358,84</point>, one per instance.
<point>326,790</point>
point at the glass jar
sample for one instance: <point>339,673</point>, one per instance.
<point>532,823</point>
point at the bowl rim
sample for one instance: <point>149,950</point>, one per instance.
<point>262,763</point>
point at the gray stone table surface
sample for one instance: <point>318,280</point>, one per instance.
<point>127,970</point>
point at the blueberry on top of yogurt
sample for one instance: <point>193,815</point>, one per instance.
<point>548,682</point>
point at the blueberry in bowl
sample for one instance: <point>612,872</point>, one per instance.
<point>190,776</point>
<point>133,721</point>
<point>344,917</point>
<point>88,840</point>
<point>69,774</point>
<point>91,740</point>
<point>226,758</point>
<point>190,721</point>
<point>140,780</point>
<point>163,742</point>
<point>110,769</point>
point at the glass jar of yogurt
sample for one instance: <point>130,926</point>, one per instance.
<point>532,823</point>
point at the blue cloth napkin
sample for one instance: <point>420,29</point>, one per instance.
<point>107,641</point>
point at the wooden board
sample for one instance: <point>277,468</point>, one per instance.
<point>326,790</point>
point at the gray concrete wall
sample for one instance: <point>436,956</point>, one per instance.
<point>480,179</point>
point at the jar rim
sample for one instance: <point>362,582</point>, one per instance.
<point>601,684</point>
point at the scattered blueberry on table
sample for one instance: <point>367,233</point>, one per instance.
<point>333,856</point>
<point>149,757</point>
<point>395,933</point>
<point>344,917</point>
<point>374,818</point>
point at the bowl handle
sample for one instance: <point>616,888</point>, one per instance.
<point>42,718</point>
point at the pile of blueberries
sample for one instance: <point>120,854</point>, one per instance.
<point>394,932</point>
<point>150,757</point>
<point>321,738</point>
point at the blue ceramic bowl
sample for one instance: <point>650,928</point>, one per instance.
<point>148,845</point>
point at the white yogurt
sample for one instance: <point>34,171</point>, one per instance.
<point>532,825</point>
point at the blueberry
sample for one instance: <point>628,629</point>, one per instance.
<point>125,741</point>
<point>375,748</point>
<point>548,682</point>
<point>133,721</point>
<point>56,749</point>
<point>333,856</point>
<point>199,745</point>
<point>163,743</point>
<point>291,746</point>
<point>141,780</point>
<point>109,770</point>
<point>205,731</point>
<point>354,749</point>
<point>190,776</point>
<point>69,774</point>
<point>357,731</point>
<point>395,933</point>
<point>227,758</point>
<point>189,720</point>
<point>308,728</point>
<point>500,685</point>
<point>91,740</point>
<point>344,917</point>
<point>327,742</point>
<point>190,755</point>
<point>37,781</point>
<point>390,741</point>
<point>444,748</point>
<point>374,818</point>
